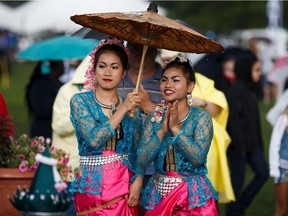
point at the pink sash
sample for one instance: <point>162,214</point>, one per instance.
<point>112,201</point>
<point>176,204</point>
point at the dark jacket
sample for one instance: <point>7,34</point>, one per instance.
<point>243,125</point>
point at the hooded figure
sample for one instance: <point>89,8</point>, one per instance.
<point>244,128</point>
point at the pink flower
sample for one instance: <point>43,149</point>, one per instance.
<point>48,141</point>
<point>41,139</point>
<point>34,166</point>
<point>21,157</point>
<point>34,143</point>
<point>26,148</point>
<point>60,186</point>
<point>23,166</point>
<point>53,150</point>
<point>65,161</point>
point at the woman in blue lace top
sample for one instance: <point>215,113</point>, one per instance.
<point>177,138</point>
<point>106,136</point>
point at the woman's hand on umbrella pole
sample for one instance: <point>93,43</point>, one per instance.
<point>132,100</point>
<point>132,111</point>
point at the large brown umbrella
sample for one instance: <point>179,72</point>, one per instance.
<point>150,29</point>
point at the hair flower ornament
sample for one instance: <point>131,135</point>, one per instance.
<point>181,58</point>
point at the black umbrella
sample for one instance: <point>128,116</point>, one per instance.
<point>90,34</point>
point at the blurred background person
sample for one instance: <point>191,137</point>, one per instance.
<point>227,76</point>
<point>278,153</point>
<point>6,125</point>
<point>69,69</point>
<point>226,60</point>
<point>150,79</point>
<point>40,95</point>
<point>244,128</point>
<point>64,136</point>
<point>259,47</point>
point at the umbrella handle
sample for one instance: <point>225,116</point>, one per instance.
<point>132,112</point>
<point>145,47</point>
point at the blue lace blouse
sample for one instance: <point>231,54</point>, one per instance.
<point>92,131</point>
<point>191,144</point>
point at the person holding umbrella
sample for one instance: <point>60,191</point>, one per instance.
<point>150,78</point>
<point>177,138</point>
<point>107,154</point>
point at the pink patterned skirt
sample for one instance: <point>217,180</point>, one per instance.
<point>113,200</point>
<point>176,203</point>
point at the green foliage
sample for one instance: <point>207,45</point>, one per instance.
<point>19,74</point>
<point>24,150</point>
<point>221,16</point>
<point>5,142</point>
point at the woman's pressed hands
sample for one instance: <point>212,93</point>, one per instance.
<point>170,121</point>
<point>173,118</point>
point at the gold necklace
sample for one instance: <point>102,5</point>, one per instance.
<point>183,119</point>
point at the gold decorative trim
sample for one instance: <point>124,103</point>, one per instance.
<point>99,207</point>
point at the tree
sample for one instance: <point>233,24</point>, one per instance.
<point>221,16</point>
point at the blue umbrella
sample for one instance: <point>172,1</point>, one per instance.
<point>58,48</point>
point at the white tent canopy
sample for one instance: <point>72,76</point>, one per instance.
<point>54,15</point>
<point>5,16</point>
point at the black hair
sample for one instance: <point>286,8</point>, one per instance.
<point>119,51</point>
<point>185,66</point>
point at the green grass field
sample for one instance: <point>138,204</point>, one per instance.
<point>19,74</point>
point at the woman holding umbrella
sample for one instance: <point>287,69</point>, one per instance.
<point>177,138</point>
<point>107,154</point>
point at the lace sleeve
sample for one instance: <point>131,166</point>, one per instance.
<point>194,140</point>
<point>148,147</point>
<point>90,129</point>
<point>137,129</point>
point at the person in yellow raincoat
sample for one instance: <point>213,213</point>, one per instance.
<point>205,95</point>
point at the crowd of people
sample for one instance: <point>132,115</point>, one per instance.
<point>187,146</point>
